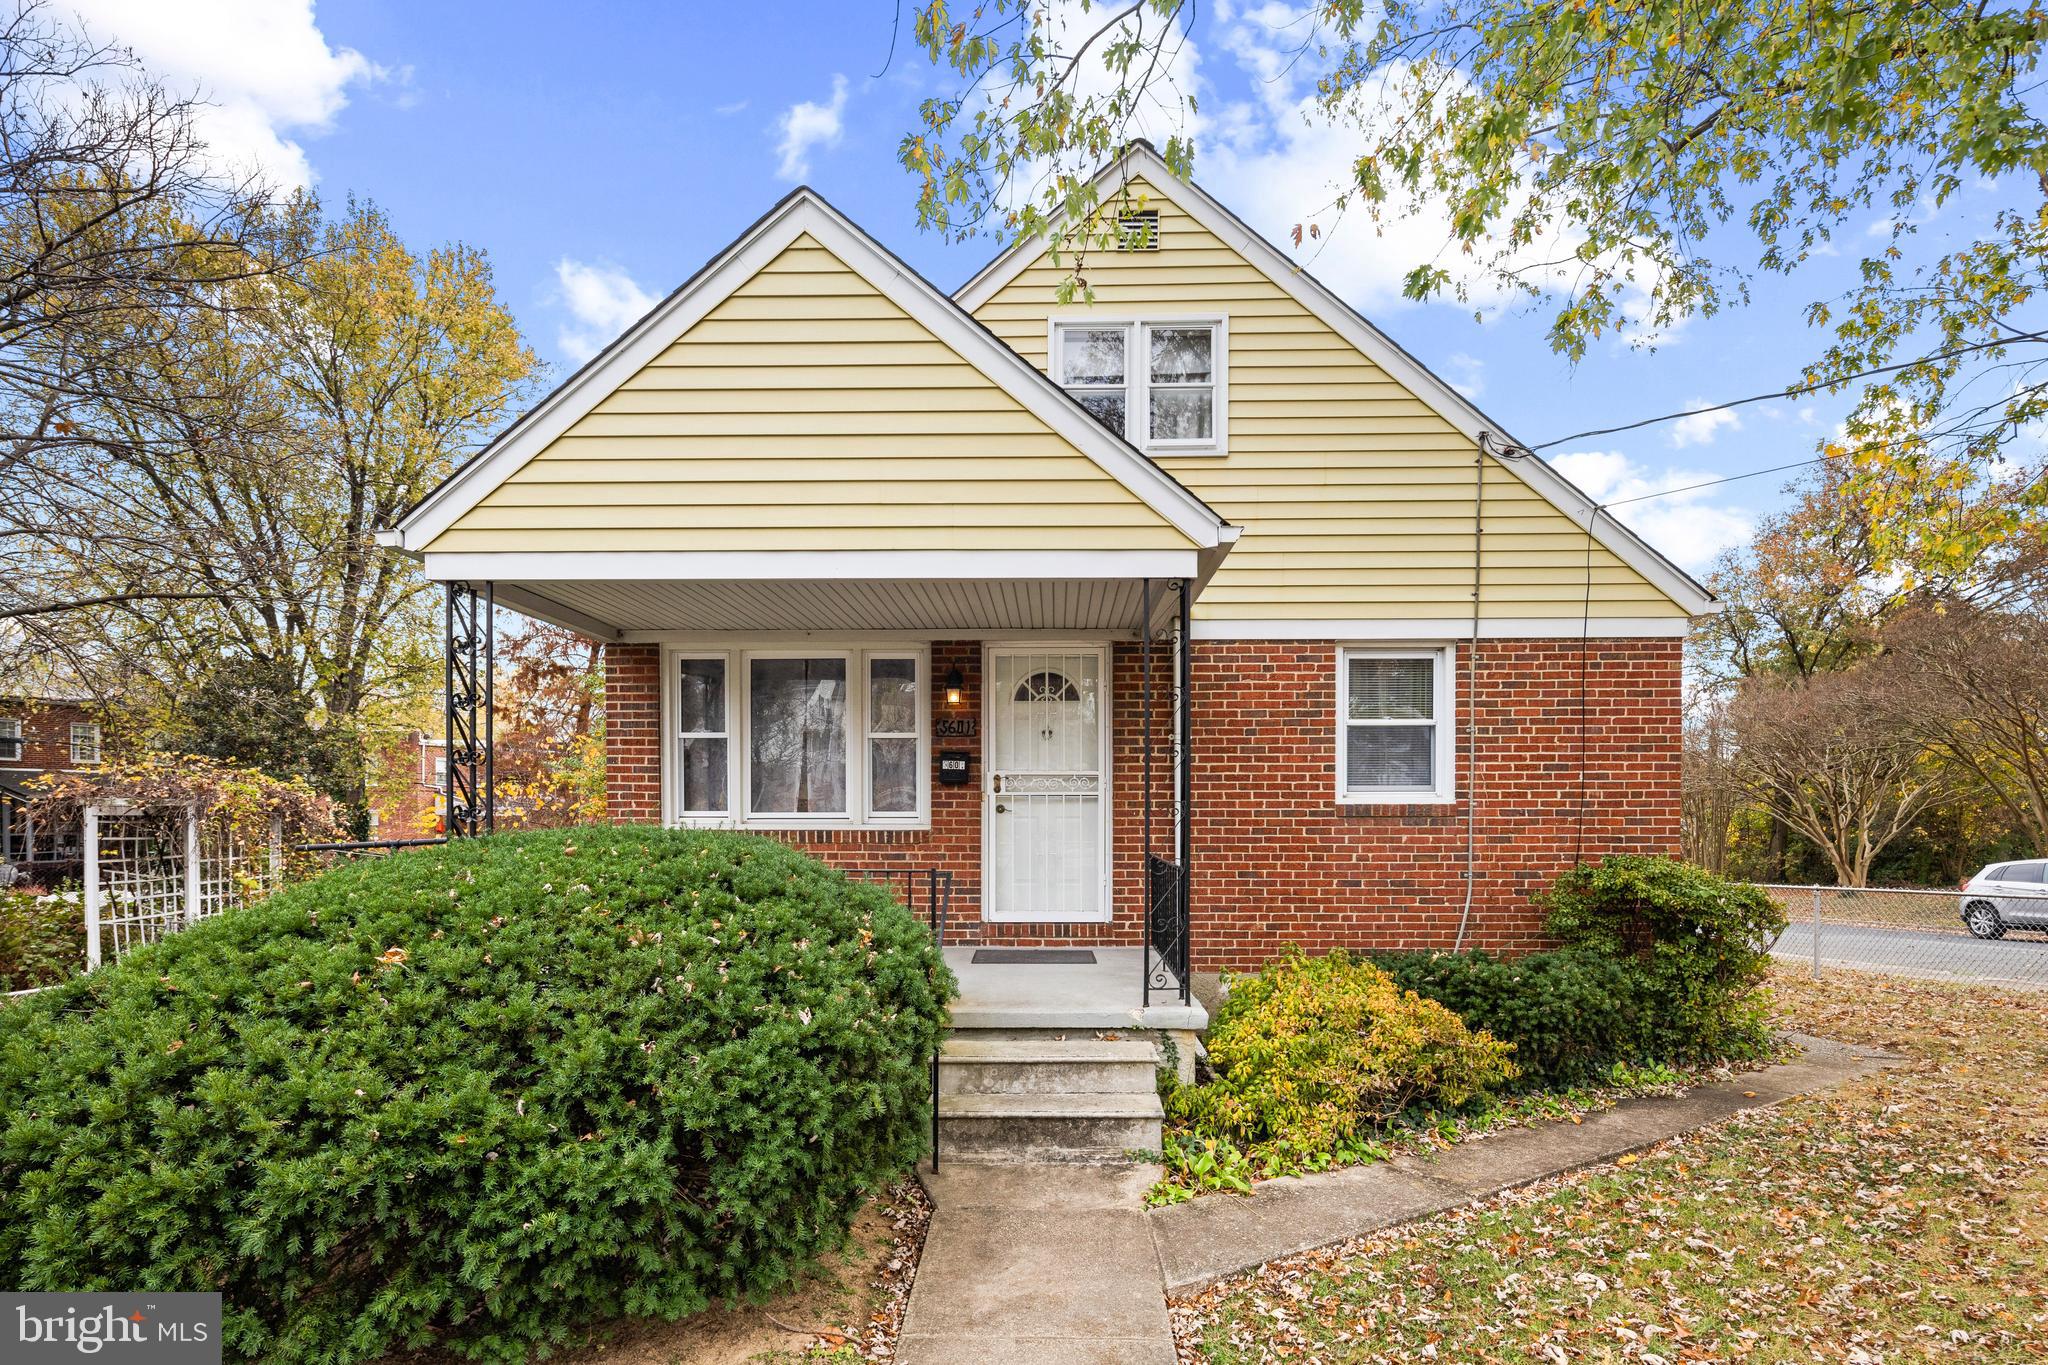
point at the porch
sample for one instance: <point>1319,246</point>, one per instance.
<point>1029,758</point>
<point>1082,990</point>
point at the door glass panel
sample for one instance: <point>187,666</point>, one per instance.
<point>2025,873</point>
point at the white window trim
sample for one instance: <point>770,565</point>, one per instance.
<point>1138,375</point>
<point>739,748</point>
<point>85,727</point>
<point>1445,719</point>
<point>12,744</point>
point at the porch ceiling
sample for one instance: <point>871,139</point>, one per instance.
<point>972,607</point>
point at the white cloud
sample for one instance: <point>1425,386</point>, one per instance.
<point>263,67</point>
<point>1467,374</point>
<point>1683,525</point>
<point>601,300</point>
<point>728,110</point>
<point>1702,428</point>
<point>809,125</point>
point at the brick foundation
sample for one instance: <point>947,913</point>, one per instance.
<point>1277,860</point>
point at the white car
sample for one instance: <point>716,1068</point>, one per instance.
<point>2007,896</point>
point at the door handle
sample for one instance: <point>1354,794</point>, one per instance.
<point>1000,808</point>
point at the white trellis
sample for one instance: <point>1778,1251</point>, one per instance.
<point>153,868</point>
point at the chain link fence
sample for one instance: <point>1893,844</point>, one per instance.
<point>1998,938</point>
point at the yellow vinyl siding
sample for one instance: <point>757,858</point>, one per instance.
<point>1354,495</point>
<point>807,411</point>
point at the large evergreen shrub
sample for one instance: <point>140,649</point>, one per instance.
<point>1700,944</point>
<point>1662,963</point>
<point>476,1096</point>
<point>1315,1051</point>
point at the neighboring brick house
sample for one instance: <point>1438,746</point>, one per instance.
<point>408,787</point>
<point>870,563</point>
<point>40,737</point>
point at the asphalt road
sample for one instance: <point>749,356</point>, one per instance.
<point>2021,957</point>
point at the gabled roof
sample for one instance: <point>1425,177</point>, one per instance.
<point>803,212</point>
<point>1141,160</point>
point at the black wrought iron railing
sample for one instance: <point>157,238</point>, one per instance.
<point>929,889</point>
<point>1166,928</point>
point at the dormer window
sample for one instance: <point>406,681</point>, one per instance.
<point>1158,384</point>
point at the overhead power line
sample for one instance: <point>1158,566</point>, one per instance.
<point>1797,390</point>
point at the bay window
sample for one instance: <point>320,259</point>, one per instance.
<point>1158,384</point>
<point>1396,739</point>
<point>810,737</point>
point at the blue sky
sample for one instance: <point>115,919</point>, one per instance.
<point>601,160</point>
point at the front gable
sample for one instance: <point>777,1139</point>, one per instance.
<point>806,394</point>
<point>1351,468</point>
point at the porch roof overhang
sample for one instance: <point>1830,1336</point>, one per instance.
<point>643,596</point>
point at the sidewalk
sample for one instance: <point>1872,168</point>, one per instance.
<point>1037,1265</point>
<point>1062,1265</point>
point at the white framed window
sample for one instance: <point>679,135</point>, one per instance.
<point>85,743</point>
<point>800,738</point>
<point>1396,727</point>
<point>10,739</point>
<point>704,739</point>
<point>1157,382</point>
<point>799,734</point>
<point>895,736</point>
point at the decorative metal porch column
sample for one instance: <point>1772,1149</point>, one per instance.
<point>471,658</point>
<point>1167,927</point>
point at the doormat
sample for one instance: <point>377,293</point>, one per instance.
<point>1046,956</point>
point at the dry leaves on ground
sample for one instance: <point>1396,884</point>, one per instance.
<point>1901,1218</point>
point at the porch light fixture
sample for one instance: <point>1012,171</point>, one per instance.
<point>954,684</point>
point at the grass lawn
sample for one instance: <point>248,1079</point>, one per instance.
<point>1901,1218</point>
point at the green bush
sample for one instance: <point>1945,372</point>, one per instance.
<point>1700,944</point>
<point>476,1096</point>
<point>1662,964</point>
<point>42,937</point>
<point>1571,1014</point>
<point>1315,1051</point>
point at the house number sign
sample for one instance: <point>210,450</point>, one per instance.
<point>959,727</point>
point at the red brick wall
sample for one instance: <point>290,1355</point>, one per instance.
<point>1276,859</point>
<point>632,734</point>
<point>46,735</point>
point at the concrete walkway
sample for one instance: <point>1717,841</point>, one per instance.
<point>1062,1265</point>
<point>1037,1265</point>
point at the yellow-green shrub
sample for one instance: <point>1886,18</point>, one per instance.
<point>1316,1050</point>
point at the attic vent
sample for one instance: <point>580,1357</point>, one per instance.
<point>1138,231</point>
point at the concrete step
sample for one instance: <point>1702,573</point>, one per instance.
<point>1089,1127</point>
<point>973,1065</point>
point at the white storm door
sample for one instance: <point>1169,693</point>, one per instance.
<point>1047,720</point>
